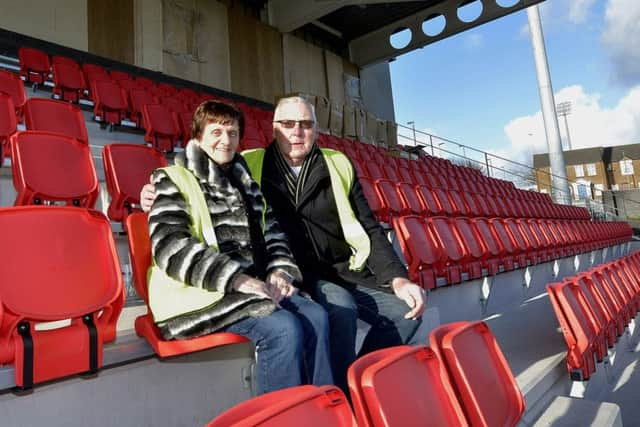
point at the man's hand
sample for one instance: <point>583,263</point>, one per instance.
<point>147,196</point>
<point>412,294</point>
<point>280,284</point>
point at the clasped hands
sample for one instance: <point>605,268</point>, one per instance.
<point>276,286</point>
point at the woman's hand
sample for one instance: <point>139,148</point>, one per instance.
<point>250,285</point>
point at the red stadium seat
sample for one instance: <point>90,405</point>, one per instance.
<point>11,85</point>
<point>138,98</point>
<point>94,73</point>
<point>8,124</point>
<point>127,168</point>
<point>451,266</point>
<point>579,331</point>
<point>496,261</point>
<point>55,116</point>
<point>174,104</point>
<point>49,167</point>
<point>110,102</point>
<point>382,381</point>
<point>420,249</point>
<point>375,203</point>
<point>34,65</point>
<point>58,59</point>
<point>410,199</point>
<point>479,373</point>
<point>430,203</point>
<point>306,405</point>
<point>161,127</point>
<point>140,254</point>
<point>392,203</point>
<point>117,75</point>
<point>76,244</point>
<point>145,82</point>
<point>68,82</point>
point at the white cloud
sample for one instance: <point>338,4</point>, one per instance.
<point>621,36</point>
<point>563,11</point>
<point>555,15</point>
<point>590,125</point>
<point>474,40</point>
<point>579,10</point>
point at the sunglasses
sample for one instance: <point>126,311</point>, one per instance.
<point>290,124</point>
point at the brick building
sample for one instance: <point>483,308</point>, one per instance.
<point>591,170</point>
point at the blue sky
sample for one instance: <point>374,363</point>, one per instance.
<point>479,88</point>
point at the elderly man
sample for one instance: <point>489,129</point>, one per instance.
<point>348,265</point>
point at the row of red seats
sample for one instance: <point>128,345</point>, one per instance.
<point>593,309</point>
<point>444,385</point>
<point>375,163</point>
<point>443,250</point>
<point>50,168</point>
<point>36,66</point>
<point>390,198</point>
<point>41,115</point>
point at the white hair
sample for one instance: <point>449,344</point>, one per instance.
<point>294,100</point>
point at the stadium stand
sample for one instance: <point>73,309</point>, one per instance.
<point>452,225</point>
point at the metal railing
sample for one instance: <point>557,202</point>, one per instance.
<point>523,176</point>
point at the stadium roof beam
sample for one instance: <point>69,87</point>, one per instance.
<point>288,16</point>
<point>375,46</point>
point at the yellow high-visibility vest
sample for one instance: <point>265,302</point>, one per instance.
<point>169,298</point>
<point>341,174</point>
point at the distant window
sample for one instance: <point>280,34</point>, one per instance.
<point>626,167</point>
<point>591,169</point>
<point>583,191</point>
<point>579,170</point>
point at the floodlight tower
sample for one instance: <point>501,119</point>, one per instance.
<point>564,109</point>
<point>552,131</point>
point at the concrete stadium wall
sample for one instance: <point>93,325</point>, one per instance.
<point>201,41</point>
<point>58,21</point>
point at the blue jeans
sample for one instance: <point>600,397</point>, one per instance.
<point>383,311</point>
<point>292,345</point>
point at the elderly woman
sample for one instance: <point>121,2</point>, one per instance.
<point>221,262</point>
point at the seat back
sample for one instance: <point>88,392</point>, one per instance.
<point>403,386</point>
<point>74,273</point>
<point>578,328</point>
<point>11,85</point>
<point>480,374</point>
<point>8,124</point>
<point>161,126</point>
<point>303,405</point>
<point>68,81</point>
<point>127,168</point>
<point>34,65</point>
<point>52,167</point>
<point>55,116</point>
<point>139,250</point>
<point>419,247</point>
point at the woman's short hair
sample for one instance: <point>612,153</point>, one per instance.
<point>215,112</point>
